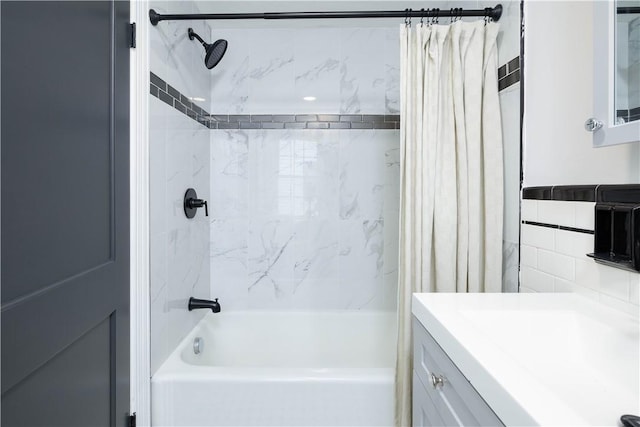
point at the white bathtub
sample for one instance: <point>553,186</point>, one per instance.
<point>280,369</point>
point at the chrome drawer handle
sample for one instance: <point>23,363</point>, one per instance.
<point>437,380</point>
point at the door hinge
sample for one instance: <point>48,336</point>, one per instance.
<point>132,417</point>
<point>132,35</point>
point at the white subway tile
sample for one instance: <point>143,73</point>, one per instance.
<point>525,290</point>
<point>585,215</point>
<point>573,243</point>
<point>623,306</point>
<point>634,288</point>
<point>556,212</point>
<point>536,280</point>
<point>540,237</point>
<point>587,274</point>
<point>563,286</point>
<point>529,210</point>
<point>614,282</point>
<point>589,293</point>
<point>528,256</point>
<point>556,264</point>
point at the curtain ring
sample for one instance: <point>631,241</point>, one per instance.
<point>409,14</point>
<point>406,17</point>
<point>437,15</point>
<point>422,17</point>
<point>451,16</point>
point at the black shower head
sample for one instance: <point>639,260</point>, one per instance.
<point>214,52</point>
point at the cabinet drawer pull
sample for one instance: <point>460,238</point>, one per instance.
<point>437,380</point>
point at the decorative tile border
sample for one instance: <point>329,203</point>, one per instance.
<point>509,74</point>
<point>304,121</point>
<point>623,193</point>
<point>537,193</point>
<point>172,97</point>
<point>629,193</point>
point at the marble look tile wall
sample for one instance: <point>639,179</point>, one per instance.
<point>179,159</point>
<point>304,219</point>
<point>269,71</point>
<point>179,247</point>
<point>176,59</point>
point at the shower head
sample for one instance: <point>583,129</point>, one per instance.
<point>214,52</point>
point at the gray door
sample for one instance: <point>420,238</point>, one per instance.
<point>65,213</point>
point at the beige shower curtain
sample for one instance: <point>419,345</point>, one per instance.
<point>451,172</point>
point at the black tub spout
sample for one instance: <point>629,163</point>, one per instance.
<point>195,303</point>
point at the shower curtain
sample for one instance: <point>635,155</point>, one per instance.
<point>451,172</point>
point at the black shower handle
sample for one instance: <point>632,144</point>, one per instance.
<point>191,203</point>
<point>198,203</point>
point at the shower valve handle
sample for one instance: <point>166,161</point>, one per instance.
<point>198,203</point>
<point>192,203</point>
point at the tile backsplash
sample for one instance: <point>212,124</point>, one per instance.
<point>556,235</point>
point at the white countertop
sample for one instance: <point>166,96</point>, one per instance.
<point>540,359</point>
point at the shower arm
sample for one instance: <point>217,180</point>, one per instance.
<point>490,12</point>
<point>192,34</point>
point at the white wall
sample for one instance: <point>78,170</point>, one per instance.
<point>558,99</point>
<point>179,159</point>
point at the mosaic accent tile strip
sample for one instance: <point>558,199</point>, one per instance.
<point>304,121</point>
<point>172,97</point>
<point>509,74</point>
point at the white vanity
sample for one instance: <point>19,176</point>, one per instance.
<point>523,359</point>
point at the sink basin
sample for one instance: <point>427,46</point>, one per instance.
<point>546,359</point>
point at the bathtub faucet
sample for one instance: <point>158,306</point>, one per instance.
<point>195,303</point>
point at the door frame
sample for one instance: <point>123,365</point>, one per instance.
<point>139,217</point>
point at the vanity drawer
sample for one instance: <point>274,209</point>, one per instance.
<point>455,400</point>
<point>424,410</point>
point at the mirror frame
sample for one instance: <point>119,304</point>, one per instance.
<point>604,27</point>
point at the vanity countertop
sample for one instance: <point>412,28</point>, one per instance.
<point>540,359</point>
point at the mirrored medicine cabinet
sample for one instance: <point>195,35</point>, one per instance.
<point>616,76</point>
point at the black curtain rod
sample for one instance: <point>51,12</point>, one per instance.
<point>492,12</point>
